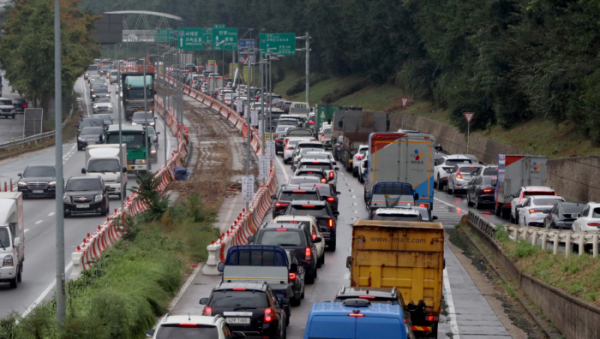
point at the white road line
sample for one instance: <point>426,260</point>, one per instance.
<point>26,230</point>
<point>39,222</point>
<point>451,310</point>
<point>462,211</point>
<point>184,288</point>
<point>282,169</point>
<point>46,291</point>
<point>51,214</point>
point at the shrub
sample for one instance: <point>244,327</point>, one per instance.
<point>339,93</point>
<point>524,249</point>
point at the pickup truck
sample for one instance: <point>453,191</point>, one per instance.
<point>7,108</point>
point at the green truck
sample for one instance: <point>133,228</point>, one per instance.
<point>133,137</point>
<point>133,93</point>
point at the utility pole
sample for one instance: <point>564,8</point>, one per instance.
<point>307,68</point>
<point>123,160</point>
<point>60,227</point>
<point>262,102</point>
<point>146,120</point>
<point>248,121</point>
<point>164,82</point>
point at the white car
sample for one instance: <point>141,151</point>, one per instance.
<point>358,158</point>
<point>589,220</point>
<point>102,104</point>
<point>7,108</point>
<point>314,227</point>
<point>362,172</point>
<point>289,149</point>
<point>324,164</point>
<point>304,147</point>
<point>523,193</point>
<point>534,209</point>
<point>445,165</point>
<point>193,326</point>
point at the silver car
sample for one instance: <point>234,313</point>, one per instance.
<point>102,104</point>
<point>113,77</point>
<point>460,177</point>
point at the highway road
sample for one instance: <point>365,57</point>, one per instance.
<point>467,313</point>
<point>10,129</point>
<point>39,267</point>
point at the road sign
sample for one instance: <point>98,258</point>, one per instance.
<point>219,26</point>
<point>404,102</point>
<point>325,114</point>
<point>247,46</point>
<point>264,166</point>
<point>245,59</point>
<point>247,188</point>
<point>278,43</point>
<point>192,39</point>
<point>271,147</point>
<point>164,35</point>
<point>224,38</point>
<point>468,116</point>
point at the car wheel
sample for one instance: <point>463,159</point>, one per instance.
<point>319,262</point>
<point>450,191</point>
<point>13,116</point>
<point>66,214</point>
<point>19,275</point>
<point>332,246</point>
<point>354,172</point>
<point>104,212</point>
<point>310,279</point>
<point>13,283</point>
<point>469,200</point>
<point>323,259</point>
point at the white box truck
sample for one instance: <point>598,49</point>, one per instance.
<point>514,172</point>
<point>105,161</point>
<point>395,160</point>
<point>12,237</point>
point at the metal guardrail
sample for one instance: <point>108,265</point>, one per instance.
<point>33,138</point>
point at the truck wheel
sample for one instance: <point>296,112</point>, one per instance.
<point>354,172</point>
<point>19,274</point>
<point>310,279</point>
<point>13,283</point>
<point>332,247</point>
<point>505,213</point>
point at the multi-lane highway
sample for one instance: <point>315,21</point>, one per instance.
<point>10,129</point>
<point>39,267</point>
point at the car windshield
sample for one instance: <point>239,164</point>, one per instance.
<point>571,208</point>
<point>489,181</point>
<point>4,238</point>
<point>299,133</point>
<point>91,122</point>
<point>313,210</point>
<point>103,100</point>
<point>92,68</point>
<point>238,299</point>
<point>281,238</point>
<point>176,332</point>
<point>310,147</point>
<point>289,196</point>
<point>39,171</point>
<point>546,201</point>
<point>452,162</point>
<point>133,141</point>
<point>83,185</point>
<point>95,131</point>
<point>6,102</point>
<point>103,165</point>
<point>321,165</point>
<point>304,180</point>
<point>151,132</point>
<point>491,171</point>
<point>397,217</point>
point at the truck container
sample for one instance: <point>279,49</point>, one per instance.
<point>402,157</point>
<point>356,126</point>
<point>214,82</point>
<point>405,255</point>
<point>211,66</point>
<point>514,172</point>
<point>106,161</point>
<point>133,93</point>
<point>12,237</point>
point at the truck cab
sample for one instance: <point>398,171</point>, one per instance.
<point>12,238</point>
<point>105,161</point>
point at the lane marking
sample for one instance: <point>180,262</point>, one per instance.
<point>45,292</point>
<point>85,95</point>
<point>39,222</point>
<point>51,214</point>
<point>462,211</point>
<point>184,288</point>
<point>26,230</point>
<point>280,163</point>
<point>451,310</point>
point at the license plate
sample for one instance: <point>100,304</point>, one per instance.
<point>82,205</point>
<point>237,320</point>
<point>38,191</point>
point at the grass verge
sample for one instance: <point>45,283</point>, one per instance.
<point>131,284</point>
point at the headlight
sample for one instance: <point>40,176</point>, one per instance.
<point>134,123</point>
<point>81,139</point>
<point>52,183</point>
<point>22,184</point>
<point>67,199</point>
<point>98,198</point>
<point>95,106</point>
<point>8,261</point>
<point>151,123</point>
<point>118,179</point>
<point>109,105</point>
<point>153,151</point>
<point>93,95</point>
<point>140,161</point>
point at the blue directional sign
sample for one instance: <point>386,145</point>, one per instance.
<point>247,46</point>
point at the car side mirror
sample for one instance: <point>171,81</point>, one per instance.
<point>317,240</point>
<point>203,301</point>
<point>157,133</point>
<point>338,193</point>
<point>574,215</point>
<point>416,196</point>
<point>150,333</point>
<point>337,169</point>
<point>273,196</point>
<point>251,239</point>
<point>434,217</point>
<point>348,262</point>
<point>20,175</point>
<point>83,171</point>
<point>494,182</point>
<point>17,242</point>
<point>519,205</point>
<point>221,267</point>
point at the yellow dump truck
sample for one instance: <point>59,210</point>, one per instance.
<point>405,255</point>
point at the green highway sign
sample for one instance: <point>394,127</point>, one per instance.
<point>193,38</point>
<point>164,35</point>
<point>224,38</point>
<point>278,43</point>
<point>219,26</point>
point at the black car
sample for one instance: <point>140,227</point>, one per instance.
<point>288,193</point>
<point>85,195</point>
<point>20,105</point>
<point>481,191</point>
<point>321,211</point>
<point>295,236</point>
<point>251,308</point>
<point>101,92</point>
<point>90,136</point>
<point>90,122</point>
<point>560,216</point>
<point>327,193</point>
<point>38,180</point>
<point>143,118</point>
<point>107,118</point>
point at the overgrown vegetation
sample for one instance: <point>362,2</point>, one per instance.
<point>577,275</point>
<point>132,283</point>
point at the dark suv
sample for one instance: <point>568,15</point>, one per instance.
<point>85,195</point>
<point>327,193</point>
<point>20,105</point>
<point>292,236</point>
<point>322,212</point>
<point>251,308</point>
<point>38,180</point>
<point>289,193</point>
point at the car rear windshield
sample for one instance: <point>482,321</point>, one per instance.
<point>312,145</point>
<point>490,181</point>
<point>288,122</point>
<point>546,201</point>
<point>376,300</point>
<point>321,165</point>
<point>84,185</point>
<point>299,133</point>
<point>316,211</point>
<point>491,171</point>
<point>397,217</point>
<point>304,180</point>
<point>92,68</point>
<point>468,169</point>
<point>92,131</point>
<point>289,196</point>
<point>530,193</point>
<point>571,208</point>
<point>324,191</point>
<point>236,299</point>
<point>39,171</point>
<point>393,189</point>
<point>309,173</point>
<point>176,332</point>
<point>281,238</point>
<point>452,162</point>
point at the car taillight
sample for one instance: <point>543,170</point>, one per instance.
<point>487,190</point>
<point>330,222</point>
<point>286,140</point>
<point>323,136</point>
<point>307,254</point>
<point>25,106</point>
<point>207,311</point>
<point>279,205</point>
<point>313,139</point>
<point>279,141</point>
<point>359,157</point>
<point>323,180</point>
<point>458,175</point>
<point>275,135</point>
<point>293,276</point>
<point>423,205</point>
<point>366,297</point>
<point>311,122</point>
<point>594,224</point>
<point>314,236</point>
<point>268,315</point>
<point>331,175</point>
<point>535,211</point>
<point>356,315</point>
<point>288,147</point>
<point>330,199</point>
